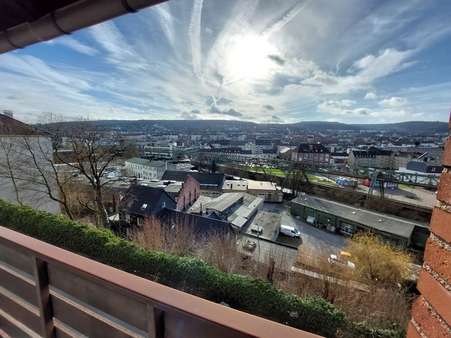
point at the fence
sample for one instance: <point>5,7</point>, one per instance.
<point>46,291</point>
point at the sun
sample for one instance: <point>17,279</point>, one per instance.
<point>246,57</point>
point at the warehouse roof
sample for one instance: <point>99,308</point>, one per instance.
<point>138,160</point>
<point>380,222</point>
<point>261,185</point>
<point>225,201</point>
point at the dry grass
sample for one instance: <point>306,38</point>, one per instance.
<point>382,306</point>
<point>177,239</point>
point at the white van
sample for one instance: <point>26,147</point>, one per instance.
<point>289,230</point>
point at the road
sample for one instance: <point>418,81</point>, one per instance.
<point>314,240</point>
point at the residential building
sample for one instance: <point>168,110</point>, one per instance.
<point>141,202</point>
<point>153,170</point>
<point>23,150</point>
<point>425,166</point>
<point>372,158</point>
<point>145,169</point>
<point>339,159</point>
<point>237,154</point>
<point>311,154</point>
<point>159,150</point>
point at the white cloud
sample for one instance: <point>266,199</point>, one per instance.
<point>75,45</point>
<point>371,96</point>
<point>393,102</point>
<point>310,59</point>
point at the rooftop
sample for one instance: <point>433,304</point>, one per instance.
<point>261,185</point>
<point>378,221</point>
<point>11,126</point>
<point>224,201</point>
<point>312,148</point>
<point>205,179</point>
<point>138,160</point>
<point>372,151</point>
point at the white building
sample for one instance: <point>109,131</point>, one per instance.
<point>145,169</point>
<point>22,151</point>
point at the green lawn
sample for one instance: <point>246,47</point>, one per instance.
<point>269,171</point>
<point>281,173</point>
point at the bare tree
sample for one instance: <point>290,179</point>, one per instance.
<point>54,182</point>
<point>34,164</point>
<point>8,166</point>
<point>29,166</point>
<point>296,178</point>
<point>91,157</point>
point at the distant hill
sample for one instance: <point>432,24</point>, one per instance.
<point>412,127</point>
<point>417,126</point>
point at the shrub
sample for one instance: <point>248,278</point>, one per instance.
<point>377,261</point>
<point>190,274</point>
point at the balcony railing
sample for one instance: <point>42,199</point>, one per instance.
<point>46,291</point>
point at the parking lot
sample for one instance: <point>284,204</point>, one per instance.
<point>265,225</point>
<point>313,240</point>
<point>269,243</point>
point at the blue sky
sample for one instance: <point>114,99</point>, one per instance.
<point>276,61</point>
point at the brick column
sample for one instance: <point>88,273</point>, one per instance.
<point>431,312</point>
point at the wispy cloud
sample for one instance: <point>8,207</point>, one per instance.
<point>195,37</point>
<point>75,45</point>
<point>258,60</point>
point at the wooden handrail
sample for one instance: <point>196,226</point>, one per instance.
<point>160,299</point>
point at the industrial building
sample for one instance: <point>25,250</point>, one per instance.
<point>348,220</point>
<point>265,189</point>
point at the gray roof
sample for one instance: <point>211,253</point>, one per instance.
<point>138,160</point>
<point>381,222</point>
<point>224,201</point>
<point>245,212</point>
<point>202,201</point>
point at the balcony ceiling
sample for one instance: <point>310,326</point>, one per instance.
<point>15,12</point>
<point>25,22</point>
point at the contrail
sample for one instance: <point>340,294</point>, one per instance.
<point>279,23</point>
<point>195,37</point>
<point>166,23</point>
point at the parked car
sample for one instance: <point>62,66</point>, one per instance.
<point>341,260</point>
<point>290,231</point>
<point>257,229</point>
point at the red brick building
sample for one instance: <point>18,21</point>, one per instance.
<point>431,313</point>
<point>189,193</point>
<point>311,154</point>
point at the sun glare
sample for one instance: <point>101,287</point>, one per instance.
<point>246,57</point>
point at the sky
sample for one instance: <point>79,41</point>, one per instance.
<point>277,61</point>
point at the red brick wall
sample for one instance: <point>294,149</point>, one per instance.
<point>188,194</point>
<point>431,312</point>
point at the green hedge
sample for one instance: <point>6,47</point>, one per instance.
<point>190,274</point>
